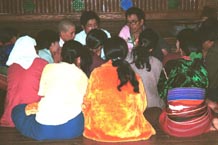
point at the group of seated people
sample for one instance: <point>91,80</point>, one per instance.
<point>64,85</point>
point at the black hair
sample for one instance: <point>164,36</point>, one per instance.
<point>147,43</point>
<point>212,94</point>
<point>184,34</point>
<point>95,38</point>
<point>88,15</point>
<point>190,44</point>
<point>73,49</point>
<point>7,33</point>
<point>137,11</point>
<point>45,38</point>
<point>116,49</point>
<point>208,30</point>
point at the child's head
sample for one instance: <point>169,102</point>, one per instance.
<point>95,40</point>
<point>187,42</point>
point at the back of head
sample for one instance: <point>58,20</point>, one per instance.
<point>116,49</point>
<point>45,38</point>
<point>188,41</point>
<point>148,39</point>
<point>95,38</point>
<point>71,50</point>
<point>88,15</point>
<point>64,25</point>
<point>147,44</point>
<point>184,34</point>
<point>191,46</point>
<point>136,11</point>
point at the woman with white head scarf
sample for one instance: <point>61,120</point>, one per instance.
<point>24,73</point>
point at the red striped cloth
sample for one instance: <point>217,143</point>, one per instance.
<point>185,117</point>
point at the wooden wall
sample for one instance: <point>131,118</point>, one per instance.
<point>47,13</point>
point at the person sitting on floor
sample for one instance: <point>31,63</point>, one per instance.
<point>89,20</point>
<point>183,84</point>
<point>208,33</point>
<point>147,66</point>
<point>135,24</point>
<point>115,100</point>
<point>8,36</point>
<point>94,42</point>
<point>58,115</point>
<point>67,30</point>
<point>183,35</point>
<point>48,45</point>
<point>24,73</point>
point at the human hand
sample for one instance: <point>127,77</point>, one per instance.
<point>31,108</point>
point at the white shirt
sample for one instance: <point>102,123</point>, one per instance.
<point>63,86</point>
<point>61,42</point>
<point>81,36</point>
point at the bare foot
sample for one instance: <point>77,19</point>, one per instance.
<point>212,105</point>
<point>214,126</point>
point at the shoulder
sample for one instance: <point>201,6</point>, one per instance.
<point>80,33</point>
<point>40,61</point>
<point>107,33</point>
<point>124,30</point>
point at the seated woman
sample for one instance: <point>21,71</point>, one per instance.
<point>183,35</point>
<point>147,66</point>
<point>24,73</point>
<point>182,84</point>
<point>115,100</point>
<point>58,115</point>
<point>48,45</point>
<point>94,42</point>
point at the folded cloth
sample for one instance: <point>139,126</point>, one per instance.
<point>187,114</point>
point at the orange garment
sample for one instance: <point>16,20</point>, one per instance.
<point>112,115</point>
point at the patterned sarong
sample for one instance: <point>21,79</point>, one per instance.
<point>187,114</point>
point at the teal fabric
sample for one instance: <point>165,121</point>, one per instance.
<point>181,74</point>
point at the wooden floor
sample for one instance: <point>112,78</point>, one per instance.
<point>10,136</point>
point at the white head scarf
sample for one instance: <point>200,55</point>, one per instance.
<point>23,52</point>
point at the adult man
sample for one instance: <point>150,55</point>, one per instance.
<point>135,24</point>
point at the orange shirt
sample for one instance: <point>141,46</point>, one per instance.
<point>112,115</point>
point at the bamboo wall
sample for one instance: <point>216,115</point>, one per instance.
<point>47,13</point>
<point>100,6</point>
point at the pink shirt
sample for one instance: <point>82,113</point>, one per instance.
<point>125,34</point>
